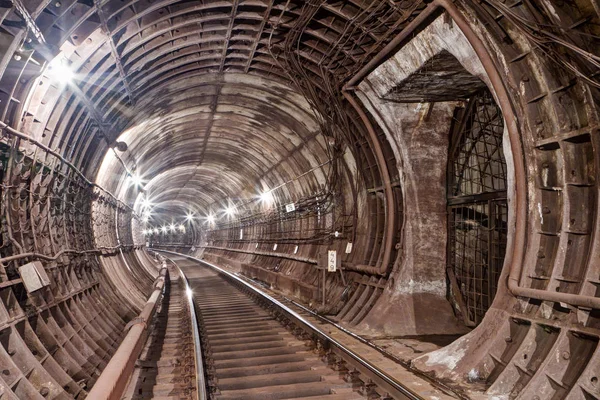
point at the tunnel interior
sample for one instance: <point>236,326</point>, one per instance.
<point>446,151</point>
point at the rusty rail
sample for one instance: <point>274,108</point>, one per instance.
<point>201,393</point>
<point>377,375</point>
<point>112,382</point>
<point>515,247</point>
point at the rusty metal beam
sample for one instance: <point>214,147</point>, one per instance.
<point>113,51</point>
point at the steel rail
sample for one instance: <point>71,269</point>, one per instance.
<point>201,393</point>
<point>377,375</point>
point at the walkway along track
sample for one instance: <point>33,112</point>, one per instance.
<point>257,348</point>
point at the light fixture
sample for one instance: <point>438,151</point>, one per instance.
<point>155,230</point>
<point>172,227</point>
<point>267,197</point>
<point>230,211</point>
<point>210,219</point>
<point>164,229</point>
<point>189,217</point>
<point>145,203</point>
<point>135,179</point>
<point>59,70</point>
<point>181,228</point>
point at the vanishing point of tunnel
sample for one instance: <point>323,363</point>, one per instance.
<point>300,199</point>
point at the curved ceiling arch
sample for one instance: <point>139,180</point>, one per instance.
<point>225,137</point>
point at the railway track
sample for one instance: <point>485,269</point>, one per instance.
<point>254,347</point>
<point>251,355</point>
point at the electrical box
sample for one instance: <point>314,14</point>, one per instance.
<point>34,276</point>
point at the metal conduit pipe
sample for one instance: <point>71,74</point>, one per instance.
<point>520,196</point>
<point>24,136</point>
<point>112,382</point>
<point>390,207</point>
<point>307,260</point>
<point>97,250</point>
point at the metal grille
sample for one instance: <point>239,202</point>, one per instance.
<point>477,207</point>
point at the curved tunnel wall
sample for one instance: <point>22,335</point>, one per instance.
<point>214,119</point>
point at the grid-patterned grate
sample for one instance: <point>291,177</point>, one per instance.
<point>477,207</point>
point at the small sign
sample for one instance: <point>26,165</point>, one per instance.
<point>290,207</point>
<point>241,234</point>
<point>275,247</point>
<point>331,260</point>
<point>34,276</point>
<point>349,248</point>
<point>296,250</point>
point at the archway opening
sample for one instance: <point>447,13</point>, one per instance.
<point>477,206</point>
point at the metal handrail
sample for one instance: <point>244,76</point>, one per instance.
<point>383,376</point>
<point>112,382</point>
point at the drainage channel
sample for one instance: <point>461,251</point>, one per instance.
<point>257,348</point>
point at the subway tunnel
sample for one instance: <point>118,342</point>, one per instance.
<point>417,176</point>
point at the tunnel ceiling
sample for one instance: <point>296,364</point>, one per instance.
<point>199,88</point>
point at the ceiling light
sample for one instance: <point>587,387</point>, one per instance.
<point>210,219</point>
<point>230,211</point>
<point>155,230</point>
<point>189,217</point>
<point>267,197</point>
<point>164,229</point>
<point>135,179</point>
<point>181,228</point>
<point>59,70</point>
<point>172,227</point>
<point>145,203</point>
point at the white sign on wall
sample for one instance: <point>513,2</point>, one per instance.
<point>290,207</point>
<point>331,260</point>
<point>34,276</point>
<point>349,248</point>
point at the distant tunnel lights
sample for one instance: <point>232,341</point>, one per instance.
<point>135,179</point>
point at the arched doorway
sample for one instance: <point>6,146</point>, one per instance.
<point>477,206</point>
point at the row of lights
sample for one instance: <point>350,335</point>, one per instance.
<point>230,211</point>
<point>165,229</point>
<point>266,198</point>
